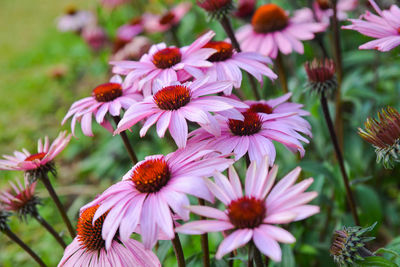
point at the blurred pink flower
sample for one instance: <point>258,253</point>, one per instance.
<point>254,135</point>
<point>25,161</point>
<point>127,31</point>
<point>245,8</point>
<point>132,50</point>
<point>227,65</point>
<point>174,103</point>
<point>252,217</point>
<point>272,30</point>
<point>88,248</point>
<point>95,37</point>
<point>166,63</point>
<point>154,188</point>
<point>385,27</point>
<point>160,23</point>
<point>75,20</point>
<point>323,10</point>
<point>106,98</point>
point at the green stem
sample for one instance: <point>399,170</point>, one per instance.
<point>281,73</point>
<point>204,241</point>
<point>50,229</point>
<point>176,243</point>
<point>131,152</point>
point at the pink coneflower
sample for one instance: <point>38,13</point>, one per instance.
<point>154,187</point>
<point>127,31</point>
<point>272,30</point>
<point>132,50</point>
<point>254,135</point>
<point>42,161</point>
<point>160,23</point>
<point>75,20</point>
<point>95,37</point>
<point>323,9</point>
<point>22,201</point>
<point>385,27</point>
<point>228,64</point>
<point>106,98</point>
<point>252,216</point>
<point>88,248</point>
<point>175,103</point>
<point>166,63</point>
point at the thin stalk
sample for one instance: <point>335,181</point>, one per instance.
<point>174,34</point>
<point>204,241</point>
<point>250,255</point>
<point>339,74</point>
<point>24,246</point>
<point>226,24</point>
<point>281,73</point>
<point>231,261</point>
<point>46,181</point>
<point>131,152</point>
<point>257,257</point>
<point>319,36</point>
<point>339,156</point>
<point>176,243</point>
<point>50,229</point>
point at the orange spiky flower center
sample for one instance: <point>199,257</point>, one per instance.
<point>261,108</point>
<point>167,57</point>
<point>107,92</point>
<point>269,18</point>
<point>151,175</point>
<point>247,212</point>
<point>172,97</point>
<point>36,156</point>
<point>324,4</point>
<point>249,126</point>
<point>224,51</point>
<point>89,234</point>
<point>167,18</point>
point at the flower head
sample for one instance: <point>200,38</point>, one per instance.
<point>154,188</point>
<point>167,64</point>
<point>262,124</point>
<point>216,8</point>
<point>227,64</point>
<point>88,247</point>
<point>245,9</point>
<point>160,23</point>
<point>42,161</point>
<point>22,201</point>
<point>175,103</point>
<point>106,98</point>
<point>252,216</point>
<point>385,27</point>
<point>75,20</point>
<point>321,76</point>
<point>384,134</point>
<point>348,245</point>
<point>95,37</point>
<point>272,30</point>
<point>127,31</point>
<point>323,9</point>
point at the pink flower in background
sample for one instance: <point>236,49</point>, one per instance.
<point>166,63</point>
<point>385,27</point>
<point>245,8</point>
<point>151,189</point>
<point>132,50</point>
<point>281,105</point>
<point>127,31</point>
<point>254,135</point>
<point>174,103</point>
<point>75,20</point>
<point>42,160</point>
<point>95,37</point>
<point>272,30</point>
<point>227,65</point>
<point>88,248</point>
<point>106,98</point>
<point>251,217</point>
<point>323,9</point>
<point>160,23</point>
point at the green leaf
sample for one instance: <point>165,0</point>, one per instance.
<point>376,261</point>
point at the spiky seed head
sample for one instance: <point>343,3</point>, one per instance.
<point>216,8</point>
<point>321,76</point>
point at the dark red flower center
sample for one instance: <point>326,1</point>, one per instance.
<point>107,92</point>
<point>320,70</point>
<point>224,51</point>
<point>89,234</point>
<point>214,5</point>
<point>135,21</point>
<point>38,156</point>
<point>246,212</point>
<point>249,126</point>
<point>167,18</point>
<point>151,175</point>
<point>261,108</point>
<point>167,57</point>
<point>269,18</point>
<point>324,4</point>
<point>172,97</point>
